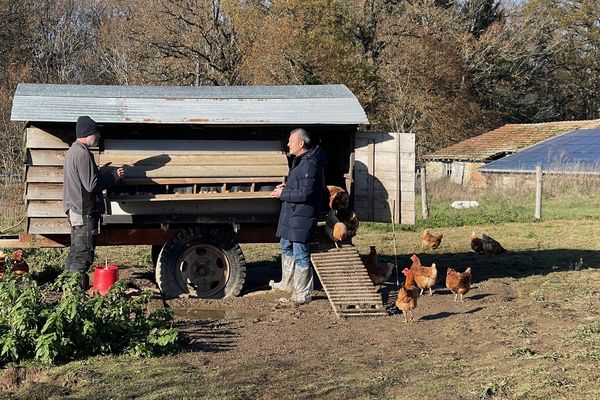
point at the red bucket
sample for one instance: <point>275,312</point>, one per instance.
<point>104,277</point>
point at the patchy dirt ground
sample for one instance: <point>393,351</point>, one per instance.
<point>528,329</point>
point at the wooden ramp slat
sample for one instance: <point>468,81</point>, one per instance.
<point>346,282</point>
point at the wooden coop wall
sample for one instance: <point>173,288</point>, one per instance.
<point>163,176</point>
<point>384,178</point>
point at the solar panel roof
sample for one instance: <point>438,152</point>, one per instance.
<point>577,151</point>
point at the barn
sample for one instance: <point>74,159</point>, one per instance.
<point>460,161</point>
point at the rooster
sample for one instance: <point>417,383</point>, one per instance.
<point>476,243</point>
<point>490,245</point>
<point>431,241</point>
<point>425,277</point>
<point>19,264</point>
<point>379,273</point>
<point>459,283</point>
<point>407,296</point>
<point>338,198</point>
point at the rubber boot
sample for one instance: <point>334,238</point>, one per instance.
<point>303,285</point>
<point>287,274</point>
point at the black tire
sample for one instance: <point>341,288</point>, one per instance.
<point>201,262</point>
<point>154,252</point>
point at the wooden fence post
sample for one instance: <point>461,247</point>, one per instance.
<point>424,207</point>
<point>538,192</point>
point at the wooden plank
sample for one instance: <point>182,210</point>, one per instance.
<point>46,157</point>
<point>25,241</point>
<point>242,206</point>
<point>208,171</point>
<point>52,157</point>
<point>37,174</point>
<point>378,203</point>
<point>45,208</point>
<point>44,191</point>
<point>357,286</point>
<point>339,265</point>
<point>384,141</point>
<point>157,147</point>
<point>208,181</point>
<point>382,176</point>
<point>48,139</point>
<point>49,226</point>
<point>354,297</point>
<point>191,197</point>
<point>139,159</point>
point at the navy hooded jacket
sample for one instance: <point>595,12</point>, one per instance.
<point>301,198</point>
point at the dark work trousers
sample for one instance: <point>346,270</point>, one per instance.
<point>83,244</point>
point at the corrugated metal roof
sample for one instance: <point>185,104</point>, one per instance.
<point>507,139</point>
<point>573,152</point>
<point>209,105</point>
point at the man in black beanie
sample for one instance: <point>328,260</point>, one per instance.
<point>82,202</point>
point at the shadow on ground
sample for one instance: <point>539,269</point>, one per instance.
<point>518,264</point>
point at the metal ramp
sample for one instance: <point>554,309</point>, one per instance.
<point>346,282</point>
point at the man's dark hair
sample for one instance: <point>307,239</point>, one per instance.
<point>305,136</point>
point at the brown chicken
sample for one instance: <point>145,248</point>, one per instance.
<point>431,241</point>
<point>491,246</point>
<point>476,243</point>
<point>379,273</point>
<point>19,264</point>
<point>335,229</point>
<point>459,283</point>
<point>350,219</point>
<point>407,296</point>
<point>341,225</point>
<point>338,198</point>
<point>425,277</point>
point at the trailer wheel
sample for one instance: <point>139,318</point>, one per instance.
<point>201,262</point>
<point>154,252</point>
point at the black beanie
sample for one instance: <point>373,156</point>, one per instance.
<point>85,126</point>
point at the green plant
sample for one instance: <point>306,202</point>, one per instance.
<point>586,332</point>
<point>523,352</point>
<point>60,322</point>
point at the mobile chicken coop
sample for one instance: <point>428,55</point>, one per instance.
<point>200,165</point>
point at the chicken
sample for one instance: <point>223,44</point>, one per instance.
<point>407,296</point>
<point>379,273</point>
<point>341,225</point>
<point>350,219</point>
<point>425,277</point>
<point>459,283</point>
<point>19,264</point>
<point>430,241</point>
<point>491,246</point>
<point>338,198</point>
<point>476,243</point>
<point>335,229</point>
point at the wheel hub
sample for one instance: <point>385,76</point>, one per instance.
<point>203,270</point>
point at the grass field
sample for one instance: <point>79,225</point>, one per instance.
<point>529,328</point>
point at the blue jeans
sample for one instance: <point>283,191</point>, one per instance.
<point>299,251</point>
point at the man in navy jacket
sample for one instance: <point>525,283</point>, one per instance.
<point>301,204</point>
